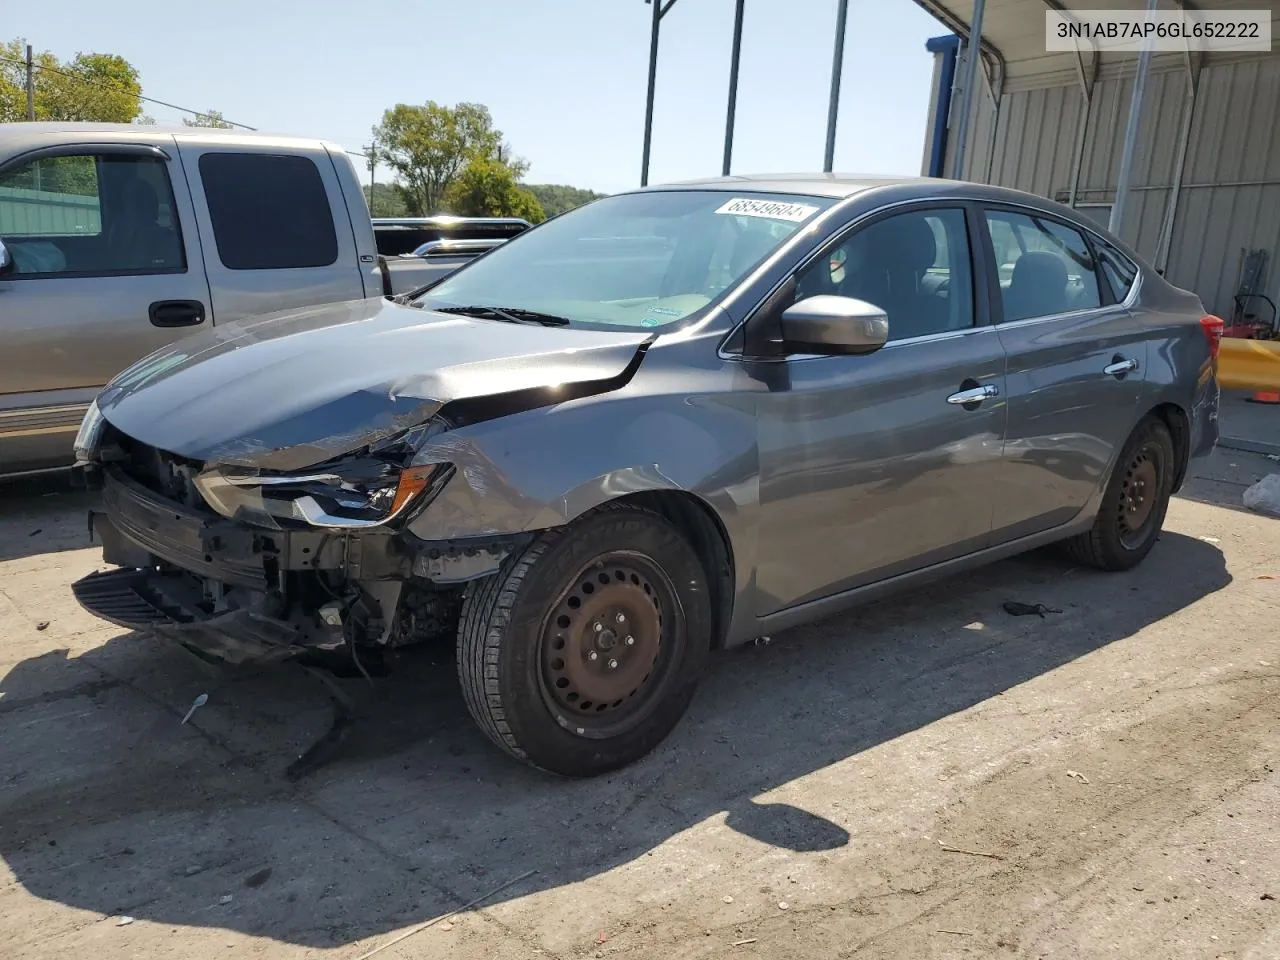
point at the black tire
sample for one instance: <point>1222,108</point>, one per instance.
<point>528,633</point>
<point>1142,478</point>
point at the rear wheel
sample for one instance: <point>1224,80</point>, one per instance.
<point>1134,503</point>
<point>584,651</point>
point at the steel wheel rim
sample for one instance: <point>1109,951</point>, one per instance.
<point>1139,493</point>
<point>595,682</point>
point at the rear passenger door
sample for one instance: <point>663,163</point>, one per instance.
<point>1076,361</point>
<point>276,229</point>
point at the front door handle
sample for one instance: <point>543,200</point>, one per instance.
<point>176,313</point>
<point>974,395</point>
<point>1119,366</point>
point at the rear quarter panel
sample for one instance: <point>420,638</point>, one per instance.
<point>1180,370</point>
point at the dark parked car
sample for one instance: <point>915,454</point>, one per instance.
<point>666,422</point>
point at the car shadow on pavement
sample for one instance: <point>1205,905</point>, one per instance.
<point>42,514</point>
<point>109,804</point>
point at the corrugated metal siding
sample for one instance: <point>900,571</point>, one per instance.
<point>40,213</point>
<point>1231,186</point>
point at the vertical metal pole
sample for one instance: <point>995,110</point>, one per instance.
<point>833,107</point>
<point>733,88</point>
<point>1179,166</point>
<point>31,86</point>
<point>1131,134</point>
<point>653,79</point>
<point>373,166</point>
<point>973,60</point>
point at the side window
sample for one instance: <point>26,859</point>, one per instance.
<point>914,266</point>
<point>90,215</point>
<point>1045,266</point>
<point>1119,270</point>
<point>268,212</point>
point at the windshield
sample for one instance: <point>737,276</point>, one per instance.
<point>635,260</point>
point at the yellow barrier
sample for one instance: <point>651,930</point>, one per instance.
<point>1249,364</point>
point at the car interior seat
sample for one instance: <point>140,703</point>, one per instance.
<point>886,269</point>
<point>1038,287</point>
<point>134,236</point>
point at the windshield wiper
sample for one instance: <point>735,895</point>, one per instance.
<point>508,314</point>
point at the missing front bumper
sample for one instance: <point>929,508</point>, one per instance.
<point>150,601</point>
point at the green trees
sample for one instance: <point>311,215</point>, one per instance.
<point>210,118</point>
<point>89,86</point>
<point>557,199</point>
<point>452,160</point>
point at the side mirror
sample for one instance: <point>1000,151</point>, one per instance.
<point>6,260</point>
<point>834,325</point>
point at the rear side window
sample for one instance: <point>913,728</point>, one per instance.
<point>1119,270</point>
<point>1045,266</point>
<point>268,212</point>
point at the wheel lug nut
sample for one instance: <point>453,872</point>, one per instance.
<point>597,626</point>
<point>592,655</point>
<point>630,641</point>
<point>613,664</point>
<point>621,618</point>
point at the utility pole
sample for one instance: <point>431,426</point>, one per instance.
<point>31,86</point>
<point>372,156</point>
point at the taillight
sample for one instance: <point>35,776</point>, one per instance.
<point>1212,327</point>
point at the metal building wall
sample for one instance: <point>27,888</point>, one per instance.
<point>1230,196</point>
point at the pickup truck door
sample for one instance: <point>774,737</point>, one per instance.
<point>107,268</point>
<point>276,226</point>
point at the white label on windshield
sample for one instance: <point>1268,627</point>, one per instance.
<point>769,209</point>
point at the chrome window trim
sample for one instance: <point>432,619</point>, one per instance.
<point>892,344</point>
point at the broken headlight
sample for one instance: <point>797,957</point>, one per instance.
<point>90,434</point>
<point>348,494</point>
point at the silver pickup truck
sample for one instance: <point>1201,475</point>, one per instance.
<point>118,239</point>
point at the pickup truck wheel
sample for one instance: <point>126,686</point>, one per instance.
<point>1134,503</point>
<point>583,652</point>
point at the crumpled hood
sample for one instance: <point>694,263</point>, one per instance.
<point>290,389</point>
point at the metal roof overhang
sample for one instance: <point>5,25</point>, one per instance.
<point>1013,38</point>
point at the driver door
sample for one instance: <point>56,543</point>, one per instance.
<point>871,466</point>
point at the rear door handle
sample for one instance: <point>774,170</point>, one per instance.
<point>176,313</point>
<point>1119,366</point>
<point>974,395</point>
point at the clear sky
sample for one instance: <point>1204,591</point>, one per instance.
<point>564,79</point>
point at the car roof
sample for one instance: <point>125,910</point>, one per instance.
<point>837,185</point>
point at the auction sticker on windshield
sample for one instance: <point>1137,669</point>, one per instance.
<point>769,209</point>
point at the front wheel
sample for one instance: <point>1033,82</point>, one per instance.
<point>1134,503</point>
<point>584,651</point>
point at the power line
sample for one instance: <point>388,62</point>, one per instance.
<point>163,103</point>
<point>113,89</point>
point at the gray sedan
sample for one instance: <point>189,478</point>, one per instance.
<point>667,422</point>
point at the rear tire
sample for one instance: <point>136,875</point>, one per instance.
<point>583,652</point>
<point>1134,503</point>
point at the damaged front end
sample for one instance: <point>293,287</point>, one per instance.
<point>254,566</point>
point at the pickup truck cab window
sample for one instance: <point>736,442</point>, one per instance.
<point>269,212</point>
<point>646,260</point>
<point>915,266</point>
<point>1045,266</point>
<point>87,215</point>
